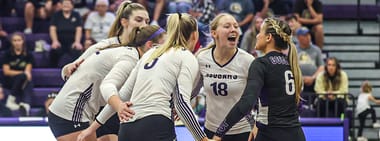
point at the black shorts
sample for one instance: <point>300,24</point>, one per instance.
<point>234,137</point>
<point>110,127</point>
<point>60,126</point>
<point>150,128</point>
<point>266,133</point>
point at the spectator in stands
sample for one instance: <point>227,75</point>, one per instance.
<point>363,108</point>
<point>4,43</point>
<point>81,7</point>
<point>66,34</point>
<point>204,11</point>
<point>332,86</point>
<point>249,38</point>
<point>98,23</point>
<point>4,110</point>
<point>181,6</point>
<point>294,25</point>
<point>114,4</point>
<point>309,14</point>
<point>42,9</point>
<point>157,6</point>
<point>310,59</point>
<point>242,10</point>
<point>17,66</point>
<point>272,8</point>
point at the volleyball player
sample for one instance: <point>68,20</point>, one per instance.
<point>275,79</point>
<point>80,99</point>
<point>224,71</point>
<point>128,16</point>
<point>163,78</point>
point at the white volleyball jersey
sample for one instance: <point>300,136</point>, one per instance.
<point>94,48</point>
<point>223,86</point>
<point>153,87</point>
<point>80,98</point>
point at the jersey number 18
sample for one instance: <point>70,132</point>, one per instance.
<point>219,88</point>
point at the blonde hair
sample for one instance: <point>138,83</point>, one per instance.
<point>282,35</point>
<point>366,87</point>
<point>124,11</point>
<point>213,25</point>
<point>140,35</point>
<point>180,26</point>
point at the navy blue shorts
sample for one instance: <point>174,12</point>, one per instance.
<point>234,137</point>
<point>150,128</point>
<point>60,126</point>
<point>110,127</point>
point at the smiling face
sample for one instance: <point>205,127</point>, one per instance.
<point>226,33</point>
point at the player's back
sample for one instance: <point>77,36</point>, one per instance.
<point>157,80</point>
<point>277,106</point>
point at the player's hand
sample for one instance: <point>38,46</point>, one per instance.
<point>309,3</point>
<point>124,112</point>
<point>72,67</point>
<point>84,134</point>
<point>216,138</point>
<point>55,44</point>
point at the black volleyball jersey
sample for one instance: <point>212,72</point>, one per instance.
<point>270,83</point>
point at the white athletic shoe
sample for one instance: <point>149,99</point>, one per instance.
<point>11,103</point>
<point>362,139</point>
<point>376,125</point>
<point>28,31</point>
<point>25,107</point>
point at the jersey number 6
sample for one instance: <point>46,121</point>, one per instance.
<point>289,83</point>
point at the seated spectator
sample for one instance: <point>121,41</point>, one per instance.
<point>272,8</point>
<point>4,110</point>
<point>98,23</point>
<point>181,6</point>
<point>242,10</point>
<point>155,8</point>
<point>363,108</point>
<point>81,7</point>
<point>17,66</point>
<point>42,9</point>
<point>66,34</point>
<point>310,59</point>
<point>249,38</point>
<point>332,81</point>
<point>309,14</point>
<point>294,25</point>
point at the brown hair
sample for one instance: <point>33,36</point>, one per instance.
<point>24,49</point>
<point>140,35</point>
<point>124,11</point>
<point>335,79</point>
